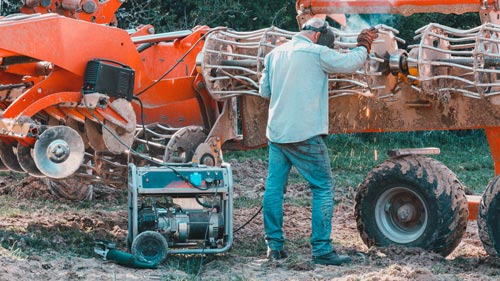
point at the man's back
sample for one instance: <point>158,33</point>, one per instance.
<point>296,81</point>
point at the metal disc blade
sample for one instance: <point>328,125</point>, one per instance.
<point>26,161</point>
<point>80,129</point>
<point>119,138</point>
<point>59,152</point>
<point>116,140</point>
<point>94,135</point>
<point>183,144</point>
<point>9,158</point>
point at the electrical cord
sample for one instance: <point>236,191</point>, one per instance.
<point>247,222</point>
<point>141,105</point>
<point>197,198</point>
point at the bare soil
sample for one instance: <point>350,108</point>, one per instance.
<point>50,222</point>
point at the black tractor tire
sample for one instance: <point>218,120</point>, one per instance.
<point>488,218</point>
<point>70,188</point>
<point>150,246</point>
<point>413,201</point>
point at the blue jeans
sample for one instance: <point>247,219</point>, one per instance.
<point>310,158</point>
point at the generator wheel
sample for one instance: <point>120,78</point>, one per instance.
<point>488,218</point>
<point>150,246</point>
<point>413,201</point>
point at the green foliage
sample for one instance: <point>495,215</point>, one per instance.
<point>173,15</point>
<point>8,7</point>
<point>408,25</point>
<point>176,15</point>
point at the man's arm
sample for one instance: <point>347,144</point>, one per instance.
<point>264,85</point>
<point>333,61</point>
<point>350,62</point>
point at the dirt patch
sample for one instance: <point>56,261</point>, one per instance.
<point>48,222</point>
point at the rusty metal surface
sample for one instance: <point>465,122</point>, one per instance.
<point>254,113</point>
<point>409,111</point>
<point>403,7</point>
<point>225,128</point>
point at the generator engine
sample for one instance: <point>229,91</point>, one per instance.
<point>179,209</point>
<point>181,226</point>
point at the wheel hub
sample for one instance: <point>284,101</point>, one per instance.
<point>406,213</point>
<point>58,151</point>
<point>401,215</point>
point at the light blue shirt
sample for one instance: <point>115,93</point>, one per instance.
<point>295,79</point>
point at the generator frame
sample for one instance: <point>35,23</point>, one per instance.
<point>191,180</point>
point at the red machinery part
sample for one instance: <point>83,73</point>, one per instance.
<point>87,10</point>
<point>404,7</point>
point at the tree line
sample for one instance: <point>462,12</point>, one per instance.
<point>171,15</point>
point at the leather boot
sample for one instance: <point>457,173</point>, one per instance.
<point>276,254</point>
<point>331,259</point>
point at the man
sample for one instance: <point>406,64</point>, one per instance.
<point>295,79</point>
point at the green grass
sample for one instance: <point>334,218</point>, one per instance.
<point>466,153</point>
<point>246,202</point>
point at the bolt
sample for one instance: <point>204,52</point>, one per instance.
<point>120,131</point>
<point>58,151</point>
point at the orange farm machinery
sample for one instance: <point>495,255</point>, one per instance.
<point>82,99</point>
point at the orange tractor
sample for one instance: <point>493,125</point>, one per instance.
<point>82,98</point>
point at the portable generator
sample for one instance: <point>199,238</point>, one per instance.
<point>179,209</point>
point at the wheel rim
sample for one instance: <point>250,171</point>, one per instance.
<point>150,246</point>
<point>151,249</point>
<point>401,215</point>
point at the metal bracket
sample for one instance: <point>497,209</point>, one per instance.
<point>413,151</point>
